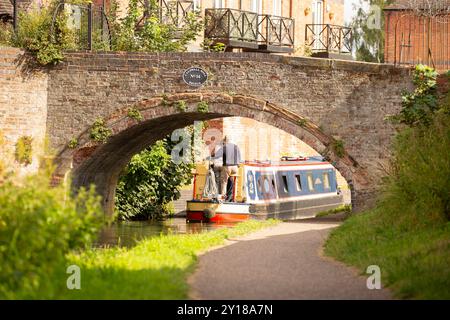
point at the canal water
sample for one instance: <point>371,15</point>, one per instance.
<point>127,233</point>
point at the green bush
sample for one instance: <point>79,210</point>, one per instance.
<point>24,149</point>
<point>99,131</point>
<point>34,34</point>
<point>418,187</point>
<point>150,182</point>
<point>135,114</point>
<point>136,34</point>
<point>203,107</point>
<point>419,106</point>
<point>39,225</point>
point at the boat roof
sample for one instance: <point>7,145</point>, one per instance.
<point>291,162</point>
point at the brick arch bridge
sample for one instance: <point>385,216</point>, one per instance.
<point>320,101</point>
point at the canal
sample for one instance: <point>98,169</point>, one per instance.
<point>127,233</point>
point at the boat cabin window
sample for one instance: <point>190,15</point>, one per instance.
<point>298,182</point>
<point>326,180</point>
<point>310,182</point>
<point>285,183</point>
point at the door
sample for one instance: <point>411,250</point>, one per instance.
<point>317,15</point>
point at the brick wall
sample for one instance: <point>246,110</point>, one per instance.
<point>23,105</point>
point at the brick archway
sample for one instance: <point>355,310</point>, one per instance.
<point>101,163</point>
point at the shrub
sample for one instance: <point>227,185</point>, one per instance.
<point>73,143</point>
<point>99,131</point>
<point>418,106</point>
<point>338,148</point>
<point>419,180</point>
<point>39,225</point>
<point>35,34</point>
<point>135,114</point>
<point>136,34</point>
<point>203,107</point>
<point>181,105</point>
<point>24,149</point>
<point>150,182</point>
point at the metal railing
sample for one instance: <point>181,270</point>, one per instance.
<point>328,38</point>
<point>174,12</point>
<point>276,31</point>
<point>231,24</point>
<point>88,23</point>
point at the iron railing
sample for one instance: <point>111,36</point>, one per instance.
<point>88,23</point>
<point>227,25</point>
<point>276,31</point>
<point>174,12</point>
<point>328,38</point>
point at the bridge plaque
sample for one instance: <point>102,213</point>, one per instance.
<point>195,77</point>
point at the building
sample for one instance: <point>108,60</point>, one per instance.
<point>6,10</point>
<point>417,31</point>
<point>295,27</point>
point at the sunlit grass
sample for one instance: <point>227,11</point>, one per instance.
<point>156,268</point>
<point>414,262</point>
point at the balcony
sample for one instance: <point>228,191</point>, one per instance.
<point>175,12</point>
<point>234,28</point>
<point>249,31</point>
<point>329,41</point>
<point>276,34</point>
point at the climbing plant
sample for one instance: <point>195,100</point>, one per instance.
<point>203,107</point>
<point>24,148</point>
<point>142,30</point>
<point>419,105</point>
<point>99,131</point>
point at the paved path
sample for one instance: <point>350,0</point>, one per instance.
<point>282,262</point>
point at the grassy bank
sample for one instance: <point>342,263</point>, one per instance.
<point>414,262</point>
<point>156,268</point>
<point>408,234</point>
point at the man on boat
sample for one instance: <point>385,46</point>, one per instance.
<point>226,161</point>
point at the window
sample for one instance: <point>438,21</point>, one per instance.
<point>196,4</point>
<point>277,7</point>
<point>326,180</point>
<point>298,182</point>
<point>218,3</point>
<point>310,182</point>
<point>285,183</point>
<point>257,6</point>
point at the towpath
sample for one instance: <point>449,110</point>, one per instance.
<point>281,262</point>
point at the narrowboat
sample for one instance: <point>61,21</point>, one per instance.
<point>292,188</point>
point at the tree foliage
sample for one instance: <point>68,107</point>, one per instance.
<point>39,226</point>
<point>150,182</point>
<point>420,105</point>
<point>142,30</point>
<point>368,31</point>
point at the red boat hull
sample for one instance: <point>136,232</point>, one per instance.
<point>218,217</point>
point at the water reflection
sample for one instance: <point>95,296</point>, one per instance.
<point>127,233</point>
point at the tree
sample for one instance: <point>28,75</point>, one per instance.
<point>142,29</point>
<point>368,31</point>
<point>152,179</point>
<point>150,182</point>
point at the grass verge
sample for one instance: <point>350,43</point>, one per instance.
<point>156,268</point>
<point>414,262</point>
